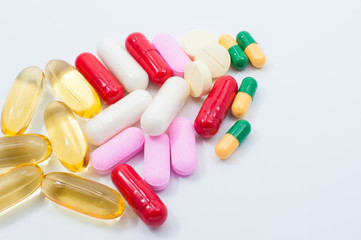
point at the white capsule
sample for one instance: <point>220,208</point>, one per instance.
<point>165,106</point>
<point>117,117</point>
<point>122,65</point>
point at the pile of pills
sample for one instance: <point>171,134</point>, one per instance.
<point>168,142</point>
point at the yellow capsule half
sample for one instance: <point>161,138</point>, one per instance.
<point>241,103</point>
<point>19,183</point>
<point>23,149</point>
<point>255,55</point>
<point>226,146</point>
<point>83,195</point>
<point>72,88</point>
<point>22,101</point>
<point>66,136</point>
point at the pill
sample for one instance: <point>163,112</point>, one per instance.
<point>194,40</point>
<point>22,101</point>
<point>251,49</point>
<point>199,78</point>
<point>104,83</point>
<point>233,138</point>
<point>82,195</point>
<point>66,136</point>
<point>172,53</point>
<point>23,149</point>
<point>117,150</point>
<point>182,146</point>
<point>19,183</point>
<point>72,88</point>
<point>216,57</point>
<point>238,57</point>
<point>216,106</point>
<point>244,97</point>
<point>157,161</point>
<point>128,72</point>
<point>117,117</point>
<point>139,195</point>
<point>165,106</point>
<point>148,57</point>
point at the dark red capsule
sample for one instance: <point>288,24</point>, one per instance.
<point>143,200</point>
<point>216,106</point>
<point>104,83</point>
<point>148,57</point>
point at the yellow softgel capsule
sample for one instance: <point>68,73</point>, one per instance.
<point>19,183</point>
<point>22,101</point>
<point>83,195</point>
<point>72,88</point>
<point>23,149</point>
<point>66,136</point>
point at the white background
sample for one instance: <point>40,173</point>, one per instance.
<point>297,175</point>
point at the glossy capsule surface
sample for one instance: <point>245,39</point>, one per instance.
<point>142,199</point>
<point>72,88</point>
<point>23,149</point>
<point>66,136</point>
<point>251,49</point>
<point>104,83</point>
<point>83,195</point>
<point>148,57</point>
<point>22,101</point>
<point>216,106</point>
<point>19,183</point>
<point>238,57</point>
<point>244,97</point>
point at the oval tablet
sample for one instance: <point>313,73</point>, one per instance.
<point>117,150</point>
<point>199,78</point>
<point>117,117</point>
<point>194,40</point>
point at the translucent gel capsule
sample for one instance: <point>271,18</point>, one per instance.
<point>22,101</point>
<point>72,88</point>
<point>83,195</point>
<point>66,136</point>
<point>19,183</point>
<point>23,149</point>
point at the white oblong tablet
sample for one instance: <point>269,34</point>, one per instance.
<point>216,57</point>
<point>194,40</point>
<point>117,117</point>
<point>165,106</point>
<point>122,65</point>
<point>199,78</point>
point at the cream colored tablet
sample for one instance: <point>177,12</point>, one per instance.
<point>216,57</point>
<point>195,40</point>
<point>199,78</point>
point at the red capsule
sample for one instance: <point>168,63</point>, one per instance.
<point>215,107</point>
<point>104,83</point>
<point>148,57</point>
<point>144,201</point>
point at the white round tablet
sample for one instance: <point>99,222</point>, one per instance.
<point>194,40</point>
<point>199,78</point>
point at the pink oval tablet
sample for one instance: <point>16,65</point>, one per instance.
<point>183,146</point>
<point>172,53</point>
<point>157,161</point>
<point>117,150</point>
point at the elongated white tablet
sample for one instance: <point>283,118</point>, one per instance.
<point>194,40</point>
<point>123,66</point>
<point>117,117</point>
<point>199,78</point>
<point>165,106</point>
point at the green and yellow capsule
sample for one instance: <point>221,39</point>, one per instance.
<point>251,49</point>
<point>238,57</point>
<point>244,97</point>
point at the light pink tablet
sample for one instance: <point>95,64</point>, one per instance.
<point>157,161</point>
<point>172,53</point>
<point>183,146</point>
<point>117,150</point>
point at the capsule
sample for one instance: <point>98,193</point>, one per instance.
<point>140,197</point>
<point>233,138</point>
<point>244,97</point>
<point>22,101</point>
<point>148,57</point>
<point>104,83</point>
<point>216,106</point>
<point>72,88</point>
<point>238,57</point>
<point>83,195</point>
<point>66,136</point>
<point>19,183</point>
<point>251,49</point>
<point>23,149</point>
